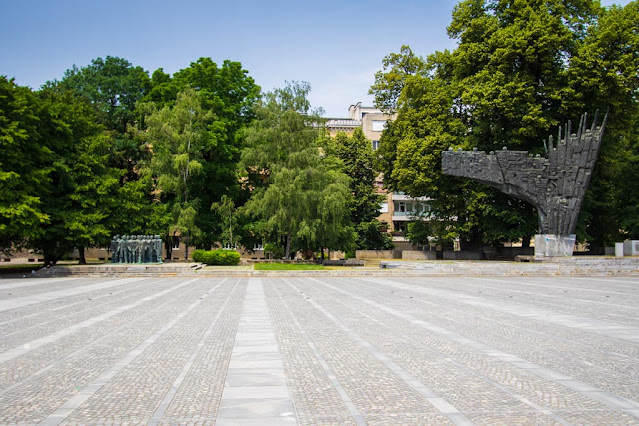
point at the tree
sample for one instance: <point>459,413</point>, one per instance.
<point>297,196</point>
<point>80,196</point>
<point>24,166</point>
<point>355,159</point>
<point>177,135</point>
<point>228,92</point>
<point>226,210</point>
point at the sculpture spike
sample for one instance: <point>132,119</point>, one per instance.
<point>594,122</point>
<point>582,125</point>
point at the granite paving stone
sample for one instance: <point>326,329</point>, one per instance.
<point>320,350</point>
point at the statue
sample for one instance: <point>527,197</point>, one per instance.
<point>555,185</point>
<point>136,249</point>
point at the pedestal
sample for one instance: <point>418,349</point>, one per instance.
<point>552,245</point>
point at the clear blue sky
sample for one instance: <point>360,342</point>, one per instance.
<point>335,45</point>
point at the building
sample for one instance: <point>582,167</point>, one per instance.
<point>398,209</point>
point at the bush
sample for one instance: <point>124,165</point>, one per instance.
<point>217,257</point>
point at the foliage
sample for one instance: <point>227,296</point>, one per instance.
<point>518,70</point>
<point>298,196</point>
<point>273,251</point>
<point>216,257</point>
<point>113,85</point>
<point>24,166</point>
<point>370,236</point>
<point>225,208</point>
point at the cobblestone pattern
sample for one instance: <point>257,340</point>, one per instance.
<point>198,398</point>
<point>136,391</point>
<point>609,370</point>
<point>34,327</point>
<point>38,383</point>
<point>44,356</point>
<point>546,394</point>
<point>374,350</point>
<point>316,399</point>
<point>375,390</point>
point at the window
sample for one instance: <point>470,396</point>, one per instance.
<point>402,206</point>
<point>375,145</point>
<point>383,208</point>
<point>378,125</point>
<point>176,242</point>
<point>258,246</point>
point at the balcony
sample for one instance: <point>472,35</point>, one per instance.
<point>407,216</point>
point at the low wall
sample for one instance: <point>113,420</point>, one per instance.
<point>462,255</point>
<point>419,255</point>
<point>374,254</point>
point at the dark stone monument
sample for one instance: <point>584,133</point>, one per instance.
<point>555,185</point>
<point>136,249</point>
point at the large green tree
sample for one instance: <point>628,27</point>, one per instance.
<point>355,159</point>
<point>299,197</point>
<point>25,163</point>
<point>177,137</point>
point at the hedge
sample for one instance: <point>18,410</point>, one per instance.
<point>217,257</point>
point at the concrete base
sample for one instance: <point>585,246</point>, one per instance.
<point>551,245</point>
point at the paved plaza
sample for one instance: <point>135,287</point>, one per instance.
<point>320,350</point>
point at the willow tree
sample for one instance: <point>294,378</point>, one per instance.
<point>299,197</point>
<point>176,136</point>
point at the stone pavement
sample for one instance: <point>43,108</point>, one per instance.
<point>319,350</point>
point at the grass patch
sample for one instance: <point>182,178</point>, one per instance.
<point>287,267</point>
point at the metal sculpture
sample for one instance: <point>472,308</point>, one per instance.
<point>136,249</point>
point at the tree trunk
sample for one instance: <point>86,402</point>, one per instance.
<point>168,244</point>
<point>525,241</point>
<point>186,246</point>
<point>288,246</point>
<point>83,260</point>
<point>322,251</point>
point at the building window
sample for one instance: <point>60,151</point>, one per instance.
<point>402,206</point>
<point>375,145</point>
<point>378,125</point>
<point>228,246</point>
<point>258,246</point>
<point>175,242</point>
<point>383,208</point>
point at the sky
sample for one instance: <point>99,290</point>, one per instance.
<point>336,46</point>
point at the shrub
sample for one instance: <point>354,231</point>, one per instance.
<point>217,257</point>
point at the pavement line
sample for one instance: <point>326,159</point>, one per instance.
<point>66,409</point>
<point>159,412</point>
<point>590,325</point>
<point>346,399</point>
<point>459,365</point>
<point>443,406</point>
<point>37,343</point>
<point>600,395</point>
<point>84,348</point>
<point>21,302</point>
<point>238,403</point>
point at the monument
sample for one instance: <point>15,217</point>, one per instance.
<point>136,249</point>
<point>555,185</point>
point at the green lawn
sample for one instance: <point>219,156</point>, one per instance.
<point>286,267</point>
